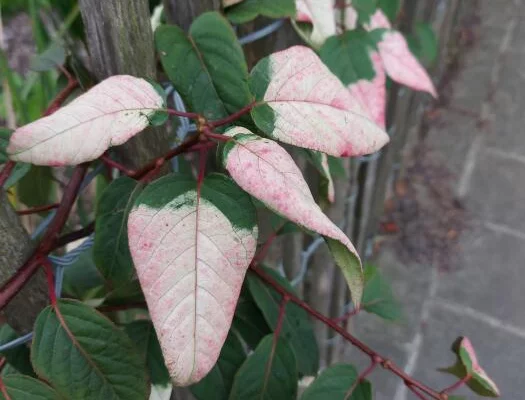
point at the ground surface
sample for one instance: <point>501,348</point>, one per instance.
<point>475,287</point>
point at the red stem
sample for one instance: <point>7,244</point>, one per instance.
<point>3,389</point>
<point>414,390</point>
<point>457,385</point>
<point>280,318</point>
<point>22,276</point>
<point>362,376</point>
<point>182,148</point>
<point>182,113</point>
<point>114,164</point>
<point>385,363</point>
<point>6,171</point>
<point>50,281</point>
<point>37,209</point>
<point>61,97</point>
<point>217,136</point>
<point>232,118</point>
<point>346,316</point>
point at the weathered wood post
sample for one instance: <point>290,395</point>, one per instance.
<point>120,41</point>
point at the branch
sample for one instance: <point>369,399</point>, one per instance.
<point>73,236</point>
<point>233,117</point>
<point>22,276</point>
<point>37,209</point>
<point>457,385</point>
<point>385,363</point>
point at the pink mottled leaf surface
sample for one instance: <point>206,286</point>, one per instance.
<point>320,13</point>
<point>191,249</point>
<point>372,94</point>
<point>400,64</point>
<point>266,171</point>
<point>107,115</point>
<point>300,102</point>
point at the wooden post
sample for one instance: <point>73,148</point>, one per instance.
<point>183,12</point>
<point>120,41</point>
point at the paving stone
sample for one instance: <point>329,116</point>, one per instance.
<point>490,276</point>
<point>497,193</point>
<point>499,353</point>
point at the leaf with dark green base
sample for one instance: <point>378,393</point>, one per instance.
<point>85,356</point>
<point>111,249</point>
<point>21,387</point>
<point>50,59</point>
<point>143,335</point>
<point>424,43</point>
<point>207,67</point>
<point>378,297</point>
<point>21,169</point>
<point>270,373</point>
<point>338,382</point>
<point>296,328</point>
<point>17,357</point>
<point>82,279</point>
<point>468,365</point>
<point>248,10</point>
<point>218,383</point>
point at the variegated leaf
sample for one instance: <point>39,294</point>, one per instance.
<point>300,102</point>
<point>400,64</point>
<point>320,13</point>
<point>372,94</point>
<point>467,365</point>
<point>191,246</point>
<point>107,115</point>
<point>267,172</point>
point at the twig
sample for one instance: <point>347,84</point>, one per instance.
<point>22,276</point>
<point>384,362</point>
<point>61,97</point>
<point>183,113</point>
<point>413,390</point>
<point>457,385</point>
<point>233,117</point>
<point>38,209</point>
<point>362,376</point>
<point>50,281</point>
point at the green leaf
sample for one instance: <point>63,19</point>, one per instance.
<point>423,42</point>
<point>21,169</point>
<point>17,357</point>
<point>248,320</point>
<point>348,56</point>
<point>296,328</point>
<point>143,335</point>
<point>270,373</point>
<point>20,387</point>
<point>335,382</point>
<point>390,8</point>
<point>467,364</point>
<point>84,356</point>
<point>52,57</point>
<point>82,279</point>
<point>378,297</point>
<point>218,383</point>
<point>365,8</point>
<point>207,67</point>
<point>250,9</point>
<point>111,249</point>
<point>337,168</point>
<point>129,292</point>
<point>326,183</point>
<point>37,187</point>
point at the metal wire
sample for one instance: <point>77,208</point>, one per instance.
<point>259,34</point>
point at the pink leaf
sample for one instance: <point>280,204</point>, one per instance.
<point>399,62</point>
<point>266,171</point>
<point>321,15</point>
<point>372,94</point>
<point>302,103</point>
<point>191,248</point>
<point>107,115</point>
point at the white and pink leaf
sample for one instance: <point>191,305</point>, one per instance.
<point>108,115</point>
<point>191,247</point>
<point>300,102</point>
<point>266,171</point>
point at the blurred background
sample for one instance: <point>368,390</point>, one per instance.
<point>439,211</point>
